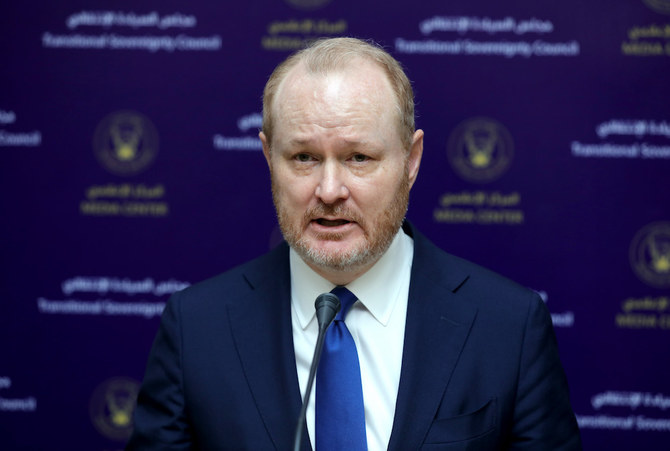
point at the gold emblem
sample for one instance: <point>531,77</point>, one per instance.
<point>650,254</point>
<point>480,150</point>
<point>660,6</point>
<point>112,406</point>
<point>125,143</point>
<point>308,4</point>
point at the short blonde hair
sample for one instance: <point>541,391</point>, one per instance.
<point>328,55</point>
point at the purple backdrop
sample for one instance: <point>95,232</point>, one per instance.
<point>131,169</point>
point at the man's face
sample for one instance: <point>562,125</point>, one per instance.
<point>340,175</point>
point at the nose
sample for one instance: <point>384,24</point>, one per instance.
<point>332,185</point>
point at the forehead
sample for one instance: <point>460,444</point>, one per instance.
<point>357,93</point>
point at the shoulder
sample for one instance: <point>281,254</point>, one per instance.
<point>472,284</point>
<point>237,282</point>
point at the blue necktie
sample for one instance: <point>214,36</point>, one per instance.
<point>340,414</point>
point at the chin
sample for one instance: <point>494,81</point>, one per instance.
<point>334,257</point>
<point>350,258</point>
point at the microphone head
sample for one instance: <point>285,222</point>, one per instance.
<point>327,305</point>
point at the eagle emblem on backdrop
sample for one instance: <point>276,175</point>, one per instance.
<point>125,143</point>
<point>480,150</point>
<point>112,406</point>
<point>660,6</point>
<point>650,254</point>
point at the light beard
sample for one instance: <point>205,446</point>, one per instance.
<point>378,234</point>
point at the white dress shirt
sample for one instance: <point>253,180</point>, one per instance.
<point>376,322</point>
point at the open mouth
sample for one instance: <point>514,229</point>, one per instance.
<point>332,222</point>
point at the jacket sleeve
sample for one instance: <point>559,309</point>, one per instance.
<point>160,420</point>
<point>543,416</point>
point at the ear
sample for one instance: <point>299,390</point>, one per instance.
<point>414,158</point>
<point>266,147</point>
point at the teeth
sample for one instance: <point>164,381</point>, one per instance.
<point>332,223</point>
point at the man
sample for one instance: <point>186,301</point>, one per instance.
<point>451,355</point>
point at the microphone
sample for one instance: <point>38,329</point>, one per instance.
<point>327,305</point>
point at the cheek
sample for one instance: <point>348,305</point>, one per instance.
<point>294,191</point>
<point>377,192</point>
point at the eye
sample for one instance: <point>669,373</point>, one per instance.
<point>360,158</point>
<point>303,157</point>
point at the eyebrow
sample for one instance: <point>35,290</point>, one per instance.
<point>297,142</point>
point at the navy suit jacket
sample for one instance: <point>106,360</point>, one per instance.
<point>480,365</point>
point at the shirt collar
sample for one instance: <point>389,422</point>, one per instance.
<point>377,289</point>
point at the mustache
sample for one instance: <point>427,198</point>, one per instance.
<point>333,210</point>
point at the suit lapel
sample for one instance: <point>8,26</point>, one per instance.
<point>261,328</point>
<point>436,330</point>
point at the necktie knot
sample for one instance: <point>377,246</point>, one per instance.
<point>347,299</point>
